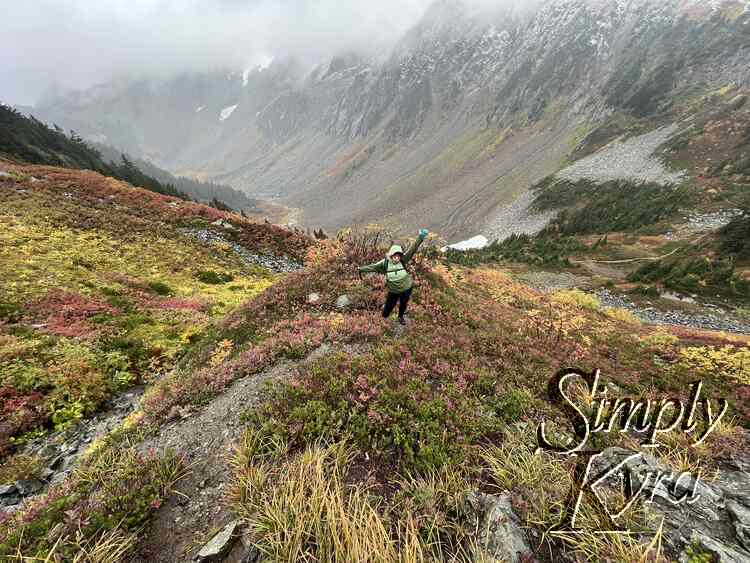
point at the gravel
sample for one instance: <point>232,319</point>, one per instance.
<point>717,320</point>
<point>632,159</point>
<point>701,222</point>
<point>548,282</point>
<point>267,261</point>
<point>516,218</point>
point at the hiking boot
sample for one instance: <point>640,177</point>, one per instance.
<point>402,320</point>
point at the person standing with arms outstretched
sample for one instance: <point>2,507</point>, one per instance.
<point>397,278</point>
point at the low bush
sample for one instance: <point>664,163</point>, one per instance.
<point>109,497</point>
<point>160,288</point>
<point>214,278</point>
<point>577,298</point>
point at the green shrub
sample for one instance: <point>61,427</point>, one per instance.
<point>397,414</point>
<point>213,278</point>
<point>616,206</point>
<point>700,274</point>
<point>513,405</point>
<point>160,288</point>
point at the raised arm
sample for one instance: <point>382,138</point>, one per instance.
<point>415,246</point>
<point>378,267</point>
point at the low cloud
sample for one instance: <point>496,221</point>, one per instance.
<point>49,45</point>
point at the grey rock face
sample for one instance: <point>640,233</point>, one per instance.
<point>500,536</point>
<point>28,487</point>
<point>7,490</point>
<point>220,545</point>
<point>716,519</point>
<point>60,451</point>
<point>343,302</point>
<point>738,101</point>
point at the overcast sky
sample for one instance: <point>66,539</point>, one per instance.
<point>63,44</point>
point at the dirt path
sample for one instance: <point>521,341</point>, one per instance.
<point>189,519</point>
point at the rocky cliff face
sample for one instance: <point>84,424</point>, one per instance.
<point>470,108</point>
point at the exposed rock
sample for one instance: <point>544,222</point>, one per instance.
<point>27,487</point>
<point>178,412</point>
<point>632,160</point>
<point>716,320</point>
<point>60,450</point>
<point>4,175</point>
<point>741,516</point>
<point>224,224</point>
<point>500,536</point>
<point>517,218</point>
<point>343,302</point>
<point>270,262</point>
<point>7,490</point>
<point>738,101</point>
<point>716,518</point>
<point>220,545</point>
<point>313,298</point>
<point>701,222</point>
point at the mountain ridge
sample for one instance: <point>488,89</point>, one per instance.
<point>356,140</point>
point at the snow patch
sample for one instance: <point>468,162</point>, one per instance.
<point>199,109</point>
<point>245,77</point>
<point>473,243</point>
<point>265,63</point>
<point>226,112</point>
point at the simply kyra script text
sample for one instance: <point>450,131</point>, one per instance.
<point>649,417</point>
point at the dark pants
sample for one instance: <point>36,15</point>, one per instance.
<point>392,298</point>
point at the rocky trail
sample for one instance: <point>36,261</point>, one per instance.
<point>195,523</point>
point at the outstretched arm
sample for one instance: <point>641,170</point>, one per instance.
<point>378,267</point>
<point>415,246</point>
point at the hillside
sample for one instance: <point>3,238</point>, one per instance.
<point>25,139</point>
<point>113,278</point>
<point>469,110</point>
<point>369,442</point>
<point>205,192</point>
<point>659,216</point>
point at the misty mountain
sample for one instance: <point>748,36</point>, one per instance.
<point>471,108</point>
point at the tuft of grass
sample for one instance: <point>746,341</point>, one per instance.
<point>301,510</point>
<point>107,500</point>
<point>577,298</point>
<point>622,315</point>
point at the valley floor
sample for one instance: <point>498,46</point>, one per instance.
<point>291,424</point>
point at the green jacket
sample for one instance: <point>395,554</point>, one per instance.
<point>397,278</point>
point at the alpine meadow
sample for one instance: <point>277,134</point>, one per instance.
<point>427,281</point>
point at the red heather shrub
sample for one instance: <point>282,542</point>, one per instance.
<point>19,414</point>
<point>65,313</point>
<point>174,303</point>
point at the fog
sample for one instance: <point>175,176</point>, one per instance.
<point>48,46</point>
